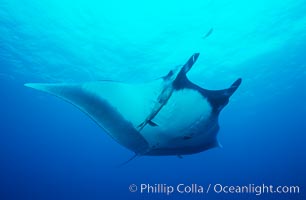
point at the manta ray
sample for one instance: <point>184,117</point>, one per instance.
<point>167,116</point>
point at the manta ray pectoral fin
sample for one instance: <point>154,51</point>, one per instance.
<point>99,109</point>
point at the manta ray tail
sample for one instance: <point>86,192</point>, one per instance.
<point>128,161</point>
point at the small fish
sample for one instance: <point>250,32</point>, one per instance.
<point>208,33</point>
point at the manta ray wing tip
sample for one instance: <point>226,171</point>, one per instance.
<point>28,84</point>
<point>36,86</point>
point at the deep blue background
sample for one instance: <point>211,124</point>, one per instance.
<point>51,150</point>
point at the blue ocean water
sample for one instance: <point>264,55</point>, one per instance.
<point>51,150</point>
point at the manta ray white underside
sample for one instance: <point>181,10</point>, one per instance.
<point>168,116</point>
